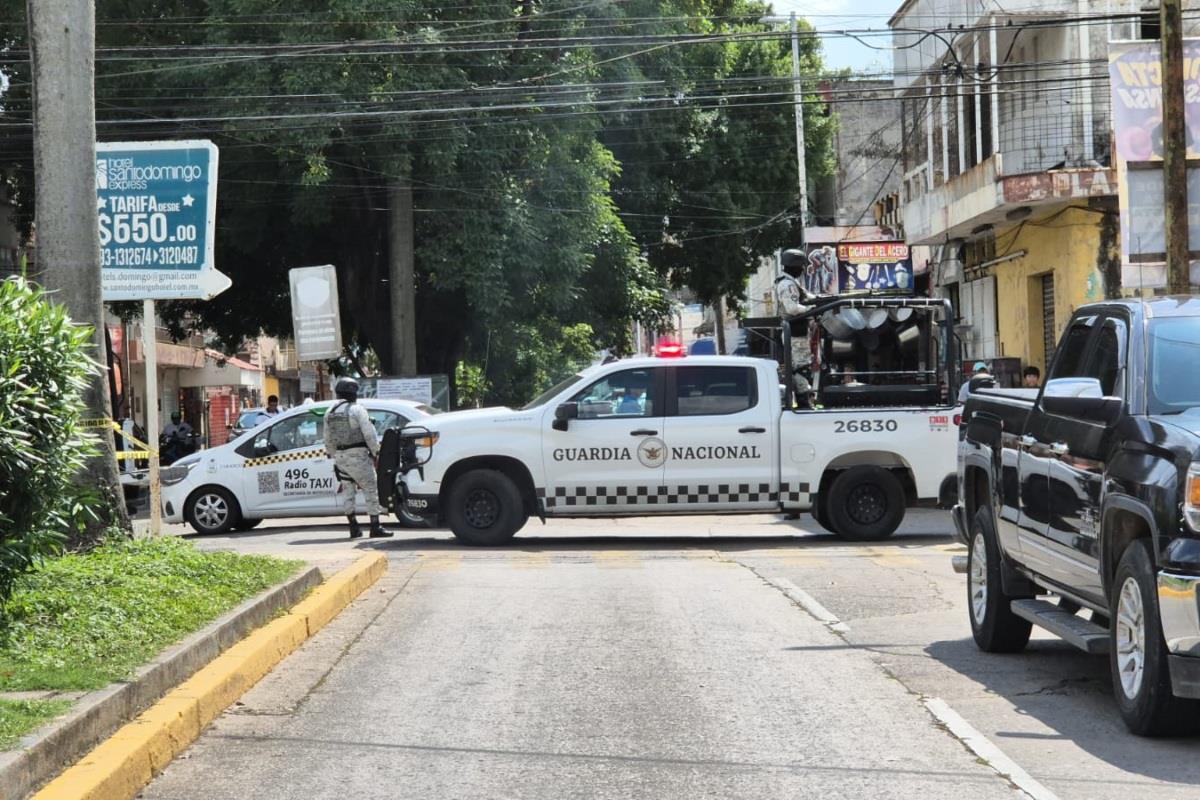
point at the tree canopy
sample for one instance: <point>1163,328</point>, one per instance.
<point>568,161</point>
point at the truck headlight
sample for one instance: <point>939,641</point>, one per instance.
<point>1191,498</point>
<point>427,440</point>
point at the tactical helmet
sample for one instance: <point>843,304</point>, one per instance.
<point>346,389</point>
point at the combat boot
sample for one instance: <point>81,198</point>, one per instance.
<point>355,530</point>
<point>378,531</point>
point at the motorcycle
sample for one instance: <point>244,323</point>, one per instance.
<point>174,447</point>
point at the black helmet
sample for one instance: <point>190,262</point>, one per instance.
<point>346,389</point>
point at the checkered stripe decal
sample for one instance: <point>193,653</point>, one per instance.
<point>280,458</point>
<point>625,496</point>
<point>795,494</point>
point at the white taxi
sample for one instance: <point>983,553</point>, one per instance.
<point>278,469</point>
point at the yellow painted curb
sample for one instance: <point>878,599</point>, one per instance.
<point>119,767</point>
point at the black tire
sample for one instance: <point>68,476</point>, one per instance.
<point>865,504</point>
<point>993,624</point>
<point>247,524</point>
<point>1144,699</point>
<point>212,510</point>
<point>407,519</point>
<point>484,507</point>
<point>821,514</point>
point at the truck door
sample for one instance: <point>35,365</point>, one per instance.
<point>1078,452</point>
<point>286,471</point>
<point>721,437</point>
<point>609,460</point>
<point>1056,484</point>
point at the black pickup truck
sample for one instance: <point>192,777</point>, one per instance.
<point>1080,505</point>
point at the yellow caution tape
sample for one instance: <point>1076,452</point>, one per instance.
<point>146,450</point>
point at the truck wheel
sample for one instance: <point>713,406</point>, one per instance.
<point>993,624</point>
<point>865,503</point>
<point>821,514</point>
<point>212,510</point>
<point>484,507</point>
<point>407,519</point>
<point>1138,655</point>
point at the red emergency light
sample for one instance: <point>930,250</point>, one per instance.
<point>668,348</point>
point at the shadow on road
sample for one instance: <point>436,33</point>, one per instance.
<point>1070,693</point>
<point>540,544</point>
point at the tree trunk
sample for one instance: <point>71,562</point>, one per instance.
<point>402,283</point>
<point>719,324</point>
<point>62,51</point>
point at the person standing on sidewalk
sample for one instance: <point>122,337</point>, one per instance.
<point>353,444</point>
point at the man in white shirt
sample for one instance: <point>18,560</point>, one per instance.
<point>271,411</point>
<point>980,368</point>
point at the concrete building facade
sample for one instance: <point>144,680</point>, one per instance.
<point>1007,160</point>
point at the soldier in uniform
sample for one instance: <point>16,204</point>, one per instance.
<point>351,441</point>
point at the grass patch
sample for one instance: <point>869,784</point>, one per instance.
<point>19,717</point>
<point>85,620</point>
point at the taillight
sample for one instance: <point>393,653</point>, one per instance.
<point>957,420</point>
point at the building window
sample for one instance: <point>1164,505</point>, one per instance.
<point>1150,23</point>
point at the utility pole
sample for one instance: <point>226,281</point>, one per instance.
<point>798,104</point>
<point>1174,147</point>
<point>62,44</point>
<point>401,283</point>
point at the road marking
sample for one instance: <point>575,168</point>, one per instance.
<point>442,562</point>
<point>532,561</point>
<point>893,560</point>
<point>808,603</point>
<point>622,559</point>
<point>981,746</point>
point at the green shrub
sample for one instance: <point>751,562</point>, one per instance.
<point>44,369</point>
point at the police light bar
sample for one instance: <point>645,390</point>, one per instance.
<point>668,348</point>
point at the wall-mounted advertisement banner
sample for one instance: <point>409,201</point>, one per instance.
<point>856,267</point>
<point>156,208</point>
<point>1135,77</point>
<point>874,267</point>
<point>315,319</point>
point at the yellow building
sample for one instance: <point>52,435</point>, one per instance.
<point>1006,173</point>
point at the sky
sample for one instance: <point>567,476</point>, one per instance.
<point>832,15</point>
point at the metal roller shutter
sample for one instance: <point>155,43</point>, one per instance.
<point>1048,338</point>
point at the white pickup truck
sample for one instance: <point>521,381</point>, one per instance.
<point>691,435</point>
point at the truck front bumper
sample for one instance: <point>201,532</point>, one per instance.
<point>420,497</point>
<point>1178,608</point>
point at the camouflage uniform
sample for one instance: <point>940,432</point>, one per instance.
<point>351,441</point>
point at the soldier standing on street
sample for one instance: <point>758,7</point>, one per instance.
<point>351,441</point>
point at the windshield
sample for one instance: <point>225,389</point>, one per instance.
<point>1174,385</point>
<point>545,396</point>
<point>248,419</point>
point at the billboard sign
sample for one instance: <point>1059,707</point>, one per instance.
<point>874,267</point>
<point>1135,78</point>
<point>315,319</point>
<point>156,208</point>
<point>858,267</point>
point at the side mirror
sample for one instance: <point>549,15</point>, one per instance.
<point>262,447</point>
<point>1081,398</point>
<point>563,414</point>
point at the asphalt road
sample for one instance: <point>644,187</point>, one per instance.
<point>686,657</point>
